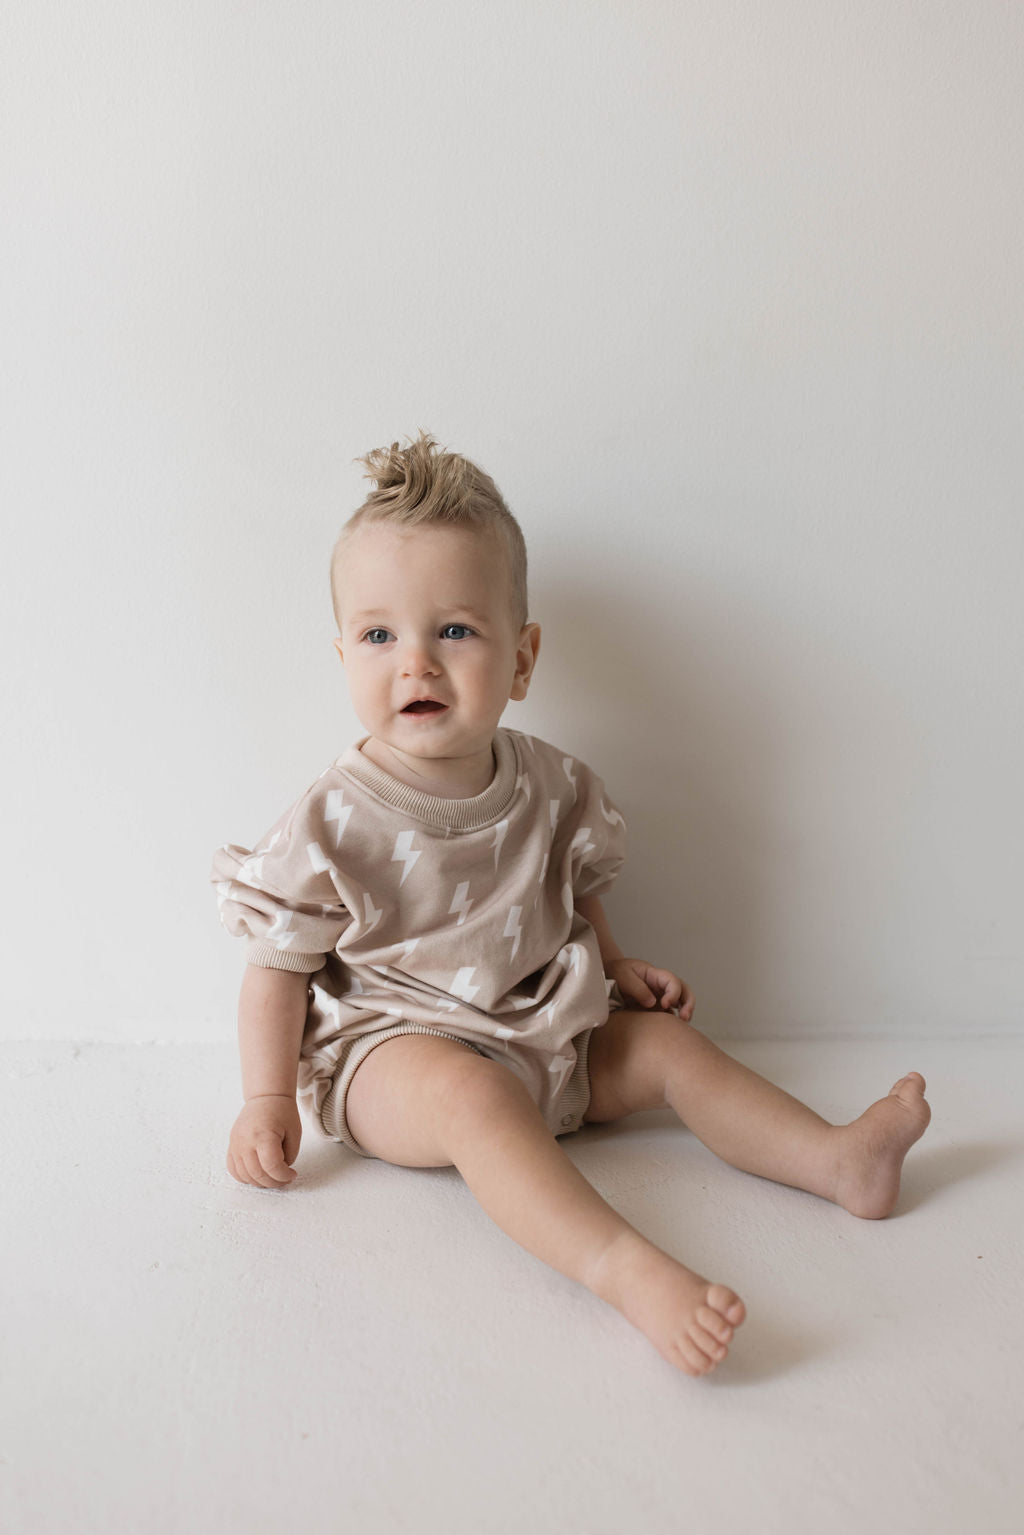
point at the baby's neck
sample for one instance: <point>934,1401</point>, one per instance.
<point>447,777</point>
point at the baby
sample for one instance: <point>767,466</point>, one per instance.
<point>430,969</point>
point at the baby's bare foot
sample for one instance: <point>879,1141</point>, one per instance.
<point>689,1321</point>
<point>871,1150</point>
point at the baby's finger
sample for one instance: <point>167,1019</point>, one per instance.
<point>672,988</point>
<point>271,1157</point>
<point>233,1170</point>
<point>254,1172</point>
<point>687,1005</point>
<point>638,991</point>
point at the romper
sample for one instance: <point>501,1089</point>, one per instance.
<point>413,913</point>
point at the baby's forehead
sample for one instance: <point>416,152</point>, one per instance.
<point>477,551</point>
<point>452,560</point>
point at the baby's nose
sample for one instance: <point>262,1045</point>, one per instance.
<point>419,661</point>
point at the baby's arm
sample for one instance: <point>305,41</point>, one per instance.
<point>271,1017</point>
<point>636,979</point>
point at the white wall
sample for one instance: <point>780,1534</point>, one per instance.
<point>728,298</point>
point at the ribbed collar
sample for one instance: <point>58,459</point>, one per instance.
<point>448,814</point>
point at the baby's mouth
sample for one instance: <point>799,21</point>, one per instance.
<point>424,706</point>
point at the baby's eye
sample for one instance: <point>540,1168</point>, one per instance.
<point>377,636</point>
<point>455,631</point>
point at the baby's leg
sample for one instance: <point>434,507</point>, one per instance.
<point>421,1101</point>
<point>650,1060</point>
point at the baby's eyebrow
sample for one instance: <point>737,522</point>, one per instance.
<point>445,610</point>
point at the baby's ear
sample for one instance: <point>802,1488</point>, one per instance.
<point>526,659</point>
<point>341,653</point>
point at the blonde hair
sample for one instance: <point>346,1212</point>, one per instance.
<point>422,485</point>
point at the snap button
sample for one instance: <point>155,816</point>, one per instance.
<point>567,1119</point>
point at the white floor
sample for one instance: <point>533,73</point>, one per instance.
<point>365,1352</point>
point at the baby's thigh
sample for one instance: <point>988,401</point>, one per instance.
<point>404,1097</point>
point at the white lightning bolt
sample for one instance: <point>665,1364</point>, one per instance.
<point>371,914</point>
<point>279,933</point>
<point>252,868</point>
<point>407,949</point>
<point>315,854</point>
<point>568,763</point>
<point>570,957</point>
<point>580,843</point>
<point>223,893</point>
<point>327,1004</point>
<point>505,1033</point>
<point>553,808</point>
<point>404,853</point>
<point>544,868</point>
<point>500,833</point>
<point>461,987</point>
<point>338,811</point>
<point>523,783</point>
<point>459,903</point>
<point>611,816</point>
<point>513,930</point>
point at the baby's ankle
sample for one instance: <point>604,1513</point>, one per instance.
<point>612,1273</point>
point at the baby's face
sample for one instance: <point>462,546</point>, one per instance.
<point>431,649</point>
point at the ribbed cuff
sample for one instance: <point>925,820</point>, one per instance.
<point>270,958</point>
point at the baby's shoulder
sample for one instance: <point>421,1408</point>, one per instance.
<point>553,763</point>
<point>317,804</point>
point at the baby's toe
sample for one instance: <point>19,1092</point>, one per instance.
<point>696,1362</point>
<point>727,1303</point>
<point>708,1344</point>
<point>714,1323</point>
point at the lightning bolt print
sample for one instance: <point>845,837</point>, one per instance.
<point>514,930</point>
<point>568,763</point>
<point>404,854</point>
<point>461,987</point>
<point>581,843</point>
<point>611,816</point>
<point>460,903</point>
<point>500,833</point>
<point>279,933</point>
<point>371,914</point>
<point>315,854</point>
<point>337,811</point>
<point>252,868</point>
<point>570,957</point>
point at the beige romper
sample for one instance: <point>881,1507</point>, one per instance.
<point>416,914</point>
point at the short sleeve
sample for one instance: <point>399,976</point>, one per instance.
<point>281,896</point>
<point>599,842</point>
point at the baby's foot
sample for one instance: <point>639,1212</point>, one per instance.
<point>689,1321</point>
<point>871,1150</point>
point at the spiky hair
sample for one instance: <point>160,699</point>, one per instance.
<point>423,485</point>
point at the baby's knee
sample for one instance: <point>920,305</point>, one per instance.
<point>471,1089</point>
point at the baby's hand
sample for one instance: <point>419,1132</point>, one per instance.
<point>265,1141</point>
<point>640,982</point>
